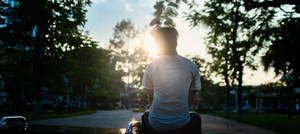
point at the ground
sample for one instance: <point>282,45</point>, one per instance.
<point>217,125</point>
<point>120,119</point>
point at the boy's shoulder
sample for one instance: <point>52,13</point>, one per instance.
<point>160,60</point>
<point>188,61</point>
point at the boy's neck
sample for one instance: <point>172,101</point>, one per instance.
<point>168,53</point>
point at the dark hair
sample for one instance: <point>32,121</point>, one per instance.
<point>167,36</point>
<point>165,32</point>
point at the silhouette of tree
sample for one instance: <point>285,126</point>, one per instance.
<point>282,55</point>
<point>204,70</point>
<point>285,36</point>
<point>234,38</point>
<point>251,4</point>
<point>89,72</point>
<point>164,11</point>
<point>42,30</point>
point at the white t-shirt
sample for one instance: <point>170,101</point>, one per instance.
<point>171,78</point>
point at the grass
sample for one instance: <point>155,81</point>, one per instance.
<point>276,122</point>
<point>56,114</point>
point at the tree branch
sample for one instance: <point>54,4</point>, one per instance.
<point>250,4</point>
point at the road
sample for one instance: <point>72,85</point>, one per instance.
<point>120,119</point>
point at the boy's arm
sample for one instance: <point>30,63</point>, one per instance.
<point>192,94</point>
<point>195,86</point>
<point>149,93</point>
<point>147,84</point>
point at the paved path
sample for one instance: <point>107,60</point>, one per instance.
<point>100,119</point>
<point>120,119</point>
<point>216,125</point>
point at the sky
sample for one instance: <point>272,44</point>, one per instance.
<point>103,15</point>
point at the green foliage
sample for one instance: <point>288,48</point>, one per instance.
<point>89,72</point>
<point>139,59</point>
<point>131,59</point>
<point>165,10</point>
<point>204,70</point>
<point>139,109</point>
<point>123,32</point>
<point>34,38</point>
<point>120,44</point>
<point>282,54</point>
<point>227,48</point>
<point>42,45</point>
<point>235,37</point>
<point>211,95</point>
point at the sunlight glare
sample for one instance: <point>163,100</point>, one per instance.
<point>133,120</point>
<point>122,130</point>
<point>149,45</point>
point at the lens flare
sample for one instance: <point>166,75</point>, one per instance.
<point>133,120</point>
<point>122,130</point>
<point>149,45</point>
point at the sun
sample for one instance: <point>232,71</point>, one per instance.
<point>149,45</point>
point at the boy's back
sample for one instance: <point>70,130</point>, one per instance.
<point>171,78</point>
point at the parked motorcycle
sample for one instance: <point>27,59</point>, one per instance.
<point>134,127</point>
<point>13,124</point>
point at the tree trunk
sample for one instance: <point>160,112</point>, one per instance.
<point>290,87</point>
<point>37,54</point>
<point>227,101</point>
<point>238,61</point>
<point>36,60</point>
<point>227,82</point>
<point>37,73</point>
<point>289,103</point>
<point>289,91</point>
<point>240,91</point>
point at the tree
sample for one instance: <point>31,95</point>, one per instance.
<point>204,70</point>
<point>212,94</point>
<point>285,36</point>
<point>124,33</point>
<point>164,11</point>
<point>251,4</point>
<point>14,53</point>
<point>140,57</point>
<point>90,73</point>
<point>121,45</point>
<point>161,14</point>
<point>41,29</point>
<point>282,55</point>
<point>234,38</point>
